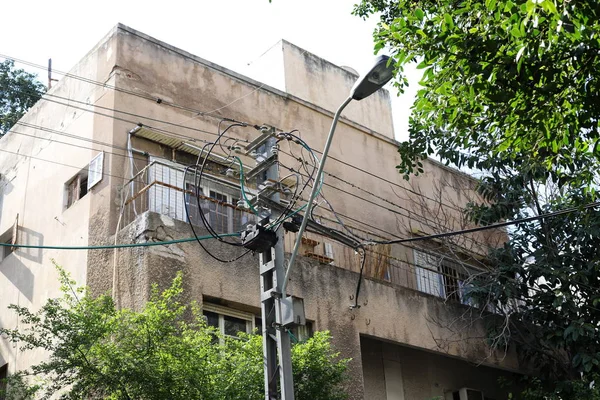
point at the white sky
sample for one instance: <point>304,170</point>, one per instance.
<point>231,33</point>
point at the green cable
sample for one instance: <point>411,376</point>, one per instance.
<point>117,246</point>
<point>294,338</point>
<point>242,185</point>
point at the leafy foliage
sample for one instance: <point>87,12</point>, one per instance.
<point>19,91</point>
<point>510,89</point>
<point>515,80</point>
<point>165,351</point>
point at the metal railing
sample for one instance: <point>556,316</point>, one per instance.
<point>162,187</point>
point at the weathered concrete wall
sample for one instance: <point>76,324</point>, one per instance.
<point>320,82</point>
<point>390,313</point>
<point>35,166</point>
<point>149,75</point>
<point>158,70</point>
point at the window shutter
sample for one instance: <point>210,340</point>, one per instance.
<point>95,170</point>
<point>329,250</point>
<point>428,281</point>
<point>227,311</point>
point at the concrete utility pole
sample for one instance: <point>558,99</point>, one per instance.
<point>279,312</point>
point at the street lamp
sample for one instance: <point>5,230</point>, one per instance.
<point>367,84</point>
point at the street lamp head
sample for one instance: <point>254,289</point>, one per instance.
<point>379,74</point>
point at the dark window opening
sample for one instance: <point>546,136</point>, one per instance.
<point>3,377</point>
<point>6,239</point>
<point>77,187</point>
<point>232,326</point>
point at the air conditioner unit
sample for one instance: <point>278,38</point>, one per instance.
<point>468,394</point>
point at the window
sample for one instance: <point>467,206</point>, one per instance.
<point>88,177</point>
<point>3,376</point>
<point>8,237</point>
<point>77,187</point>
<point>170,191</point>
<point>219,212</point>
<point>428,278</point>
<point>230,322</point>
<point>227,320</point>
<point>95,170</point>
<point>442,276</point>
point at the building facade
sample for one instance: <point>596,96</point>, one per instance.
<point>102,159</point>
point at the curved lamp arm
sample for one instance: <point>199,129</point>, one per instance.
<point>313,194</point>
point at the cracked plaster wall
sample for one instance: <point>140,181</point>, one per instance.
<point>389,313</point>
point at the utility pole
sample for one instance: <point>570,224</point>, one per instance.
<point>50,79</point>
<point>279,312</point>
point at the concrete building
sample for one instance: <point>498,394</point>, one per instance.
<point>73,175</point>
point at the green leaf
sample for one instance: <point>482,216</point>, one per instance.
<point>490,4</point>
<point>419,14</point>
<point>448,20</point>
<point>516,31</point>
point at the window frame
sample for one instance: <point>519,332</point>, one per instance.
<point>9,237</point>
<point>80,184</point>
<point>450,279</point>
<point>223,311</point>
<point>74,189</point>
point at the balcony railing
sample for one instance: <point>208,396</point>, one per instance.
<point>162,187</point>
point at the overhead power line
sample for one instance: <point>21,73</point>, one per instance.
<point>85,103</point>
<point>123,155</point>
<point>492,226</point>
<point>55,162</point>
<point>376,176</point>
<point>75,145</point>
<point>172,104</point>
<point>415,217</point>
<point>115,246</point>
<point>120,89</point>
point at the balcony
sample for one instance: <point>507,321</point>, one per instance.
<point>163,187</point>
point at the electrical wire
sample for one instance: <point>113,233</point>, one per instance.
<point>88,104</point>
<point>164,131</point>
<point>199,180</point>
<point>55,162</point>
<point>298,139</point>
<point>242,186</point>
<point>70,135</point>
<point>212,234</point>
<point>162,101</point>
<point>117,246</point>
<point>490,226</point>
<point>120,89</point>
<point>197,185</point>
<point>122,177</point>
<point>421,219</point>
<point>291,169</point>
<point>437,201</point>
<point>363,259</point>
<point>74,145</point>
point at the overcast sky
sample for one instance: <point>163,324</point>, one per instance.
<point>232,33</point>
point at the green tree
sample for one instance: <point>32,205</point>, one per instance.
<point>165,351</point>
<point>19,91</point>
<point>510,89</point>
